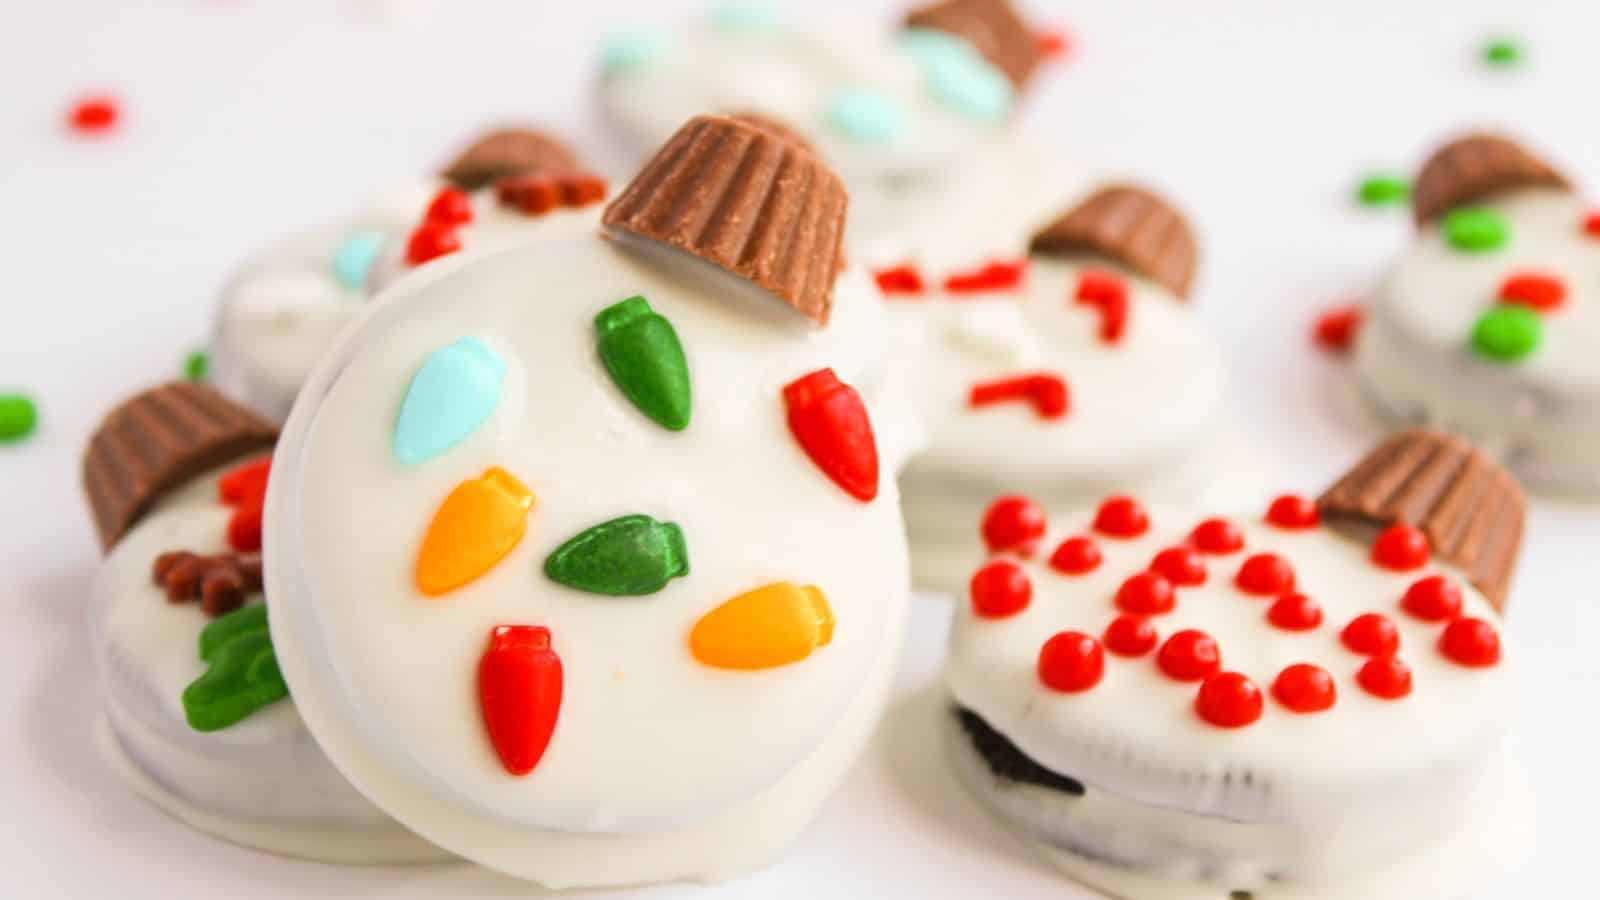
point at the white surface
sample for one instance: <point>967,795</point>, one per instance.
<point>248,120</point>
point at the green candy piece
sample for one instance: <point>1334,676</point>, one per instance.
<point>1507,333</point>
<point>196,366</point>
<point>18,417</point>
<point>1502,52</point>
<point>641,351</point>
<point>1383,189</point>
<point>242,676</point>
<point>626,557</point>
<point>1476,229</point>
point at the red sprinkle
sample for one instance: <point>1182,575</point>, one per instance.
<point>1229,700</point>
<point>1470,642</point>
<point>1591,225</point>
<point>1218,537</point>
<point>519,692</point>
<point>1387,677</point>
<point>451,206</point>
<point>1130,635</point>
<point>1336,329</point>
<point>1400,548</point>
<point>1013,523</point>
<point>1295,612</point>
<point>1432,599</point>
<point>1000,589</point>
<point>94,115</point>
<point>430,241</point>
<point>246,483</point>
<point>901,279</point>
<point>1371,634</point>
<point>1292,512</point>
<point>1052,43</point>
<point>1265,575</point>
<point>1047,393</point>
<point>999,275</point>
<point>1108,295</point>
<point>1147,594</point>
<point>244,528</point>
<point>1535,290</point>
<point>1121,517</point>
<point>1305,688</point>
<point>1071,662</point>
<point>1076,556</point>
<point>540,192</point>
<point>828,419</point>
<point>1180,565</point>
<point>1189,655</point>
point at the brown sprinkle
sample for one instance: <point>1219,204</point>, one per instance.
<point>221,582</point>
<point>537,193</point>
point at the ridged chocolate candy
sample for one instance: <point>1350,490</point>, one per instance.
<point>1473,168</point>
<point>1128,225</point>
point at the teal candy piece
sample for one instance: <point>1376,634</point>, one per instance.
<point>453,393</point>
<point>929,47</point>
<point>223,629</point>
<point>626,557</point>
<point>242,677</point>
<point>958,76</point>
<point>747,16</point>
<point>641,351</point>
<point>1507,333</point>
<point>1476,229</point>
<point>866,116</point>
<point>354,256</point>
<point>628,50</point>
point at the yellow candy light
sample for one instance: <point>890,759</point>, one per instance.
<point>773,625</point>
<point>476,526</point>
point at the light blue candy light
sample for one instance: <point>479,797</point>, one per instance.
<point>452,394</point>
<point>632,49</point>
<point>866,116</point>
<point>354,257</point>
<point>748,16</point>
<point>958,76</point>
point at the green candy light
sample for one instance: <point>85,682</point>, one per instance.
<point>1507,333</point>
<point>626,557</point>
<point>641,351</point>
<point>1476,229</point>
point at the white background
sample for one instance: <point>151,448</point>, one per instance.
<point>247,119</point>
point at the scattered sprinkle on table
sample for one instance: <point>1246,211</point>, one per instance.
<point>196,366</point>
<point>1502,52</point>
<point>18,417</point>
<point>1383,189</point>
<point>93,114</point>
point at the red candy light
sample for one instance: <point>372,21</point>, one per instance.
<point>1265,575</point>
<point>451,206</point>
<point>1337,328</point>
<point>1292,512</point>
<point>1387,677</point>
<point>1013,523</point>
<point>1047,392</point>
<point>1470,642</point>
<point>1121,517</point>
<point>93,115</point>
<point>1305,688</point>
<point>430,241</point>
<point>1218,537</point>
<point>1147,594</point>
<point>1071,662</point>
<point>1107,294</point>
<point>899,280</point>
<point>828,419</point>
<point>519,692</point>
<point>1400,548</point>
<point>1432,599</point>
<point>1371,634</point>
<point>1076,556</point>
<point>1189,655</point>
<point>998,275</point>
<point>1229,700</point>
<point>1295,612</point>
<point>1000,589</point>
<point>1130,635</point>
<point>1180,565</point>
<point>1535,290</point>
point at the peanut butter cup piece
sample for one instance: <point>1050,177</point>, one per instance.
<point>506,152</point>
<point>1473,168</point>
<point>1127,225</point>
<point>992,26</point>
<point>155,442</point>
<point>746,201</point>
<point>1469,506</point>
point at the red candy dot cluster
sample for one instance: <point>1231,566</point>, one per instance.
<point>1401,548</point>
<point>901,280</point>
<point>1305,688</point>
<point>439,232</point>
<point>1121,517</point>
<point>93,115</point>
<point>1265,575</point>
<point>1292,512</point>
<point>1071,662</point>
<point>1076,556</point>
<point>997,275</point>
<point>1146,594</point>
<point>1013,523</point>
<point>1218,537</point>
<point>1229,700</point>
<point>1189,655</point>
<point>245,489</point>
<point>1046,391</point>
<point>1000,589</point>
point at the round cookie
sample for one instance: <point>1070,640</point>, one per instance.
<point>197,717</point>
<point>1295,704</point>
<point>585,568</point>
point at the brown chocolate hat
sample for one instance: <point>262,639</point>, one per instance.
<point>1474,167</point>
<point>508,151</point>
<point>775,127</point>
<point>992,26</point>
<point>156,441</point>
<point>741,199</point>
<point>1470,508</point>
<point>1128,225</point>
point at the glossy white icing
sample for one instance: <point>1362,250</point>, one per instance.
<point>660,767</point>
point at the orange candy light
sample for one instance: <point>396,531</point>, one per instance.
<point>771,626</point>
<point>476,526</point>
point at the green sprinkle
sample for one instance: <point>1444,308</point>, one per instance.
<point>1502,52</point>
<point>1507,333</point>
<point>1383,189</point>
<point>1476,229</point>
<point>242,671</point>
<point>18,417</point>
<point>196,366</point>
<point>627,557</point>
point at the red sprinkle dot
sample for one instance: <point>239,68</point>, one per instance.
<point>1071,662</point>
<point>1217,536</point>
<point>1591,225</point>
<point>1387,677</point>
<point>246,483</point>
<point>1265,575</point>
<point>94,115</point>
<point>430,241</point>
<point>1470,642</point>
<point>1401,548</point>
<point>1433,599</point>
<point>1000,589</point>
<point>1292,512</point>
<point>1052,43</point>
<point>1130,635</point>
<point>1371,634</point>
<point>1536,290</point>
<point>1305,688</point>
<point>1295,612</point>
<point>1229,700</point>
<point>1180,565</point>
<point>901,279</point>
<point>1121,517</point>
<point>1013,523</point>
<point>1147,594</point>
<point>451,206</point>
<point>244,528</point>
<point>1107,294</point>
<point>998,275</point>
<point>1047,392</point>
<point>1189,655</point>
<point>1336,329</point>
<point>1076,556</point>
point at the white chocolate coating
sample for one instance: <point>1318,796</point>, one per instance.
<point>1414,359</point>
<point>386,677</point>
<point>262,782</point>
